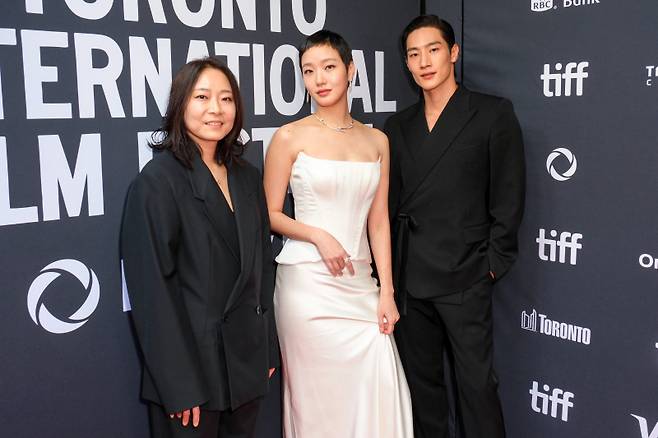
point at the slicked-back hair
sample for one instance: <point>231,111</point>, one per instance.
<point>326,37</point>
<point>429,20</point>
<point>173,136</point>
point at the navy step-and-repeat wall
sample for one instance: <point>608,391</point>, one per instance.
<point>82,85</point>
<point>575,319</point>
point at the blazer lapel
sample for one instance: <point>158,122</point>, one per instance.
<point>414,131</point>
<point>203,188</point>
<point>242,195</point>
<point>451,122</point>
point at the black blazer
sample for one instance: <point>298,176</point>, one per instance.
<point>456,192</point>
<point>202,337</point>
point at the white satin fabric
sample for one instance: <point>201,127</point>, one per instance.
<point>341,376</point>
<point>335,196</point>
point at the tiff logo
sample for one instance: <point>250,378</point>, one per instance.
<point>566,241</point>
<point>557,400</point>
<point>644,427</point>
<point>573,72</point>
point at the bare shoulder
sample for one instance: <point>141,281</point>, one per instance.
<point>294,131</point>
<point>285,133</point>
<point>289,139</point>
<point>279,147</point>
<point>375,137</point>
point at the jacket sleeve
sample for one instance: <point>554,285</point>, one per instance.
<point>506,188</point>
<point>267,281</point>
<point>149,238</point>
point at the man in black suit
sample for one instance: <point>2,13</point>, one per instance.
<point>457,190</point>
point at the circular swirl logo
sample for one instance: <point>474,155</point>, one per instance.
<point>37,308</point>
<point>571,158</point>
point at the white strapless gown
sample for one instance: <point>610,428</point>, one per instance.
<point>342,378</point>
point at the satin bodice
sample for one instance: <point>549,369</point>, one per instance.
<point>335,196</point>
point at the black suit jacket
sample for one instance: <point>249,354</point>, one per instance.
<point>201,335</point>
<point>456,192</point>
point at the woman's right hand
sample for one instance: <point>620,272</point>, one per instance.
<point>332,252</point>
<point>195,413</point>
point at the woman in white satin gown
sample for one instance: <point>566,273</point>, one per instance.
<point>342,375</point>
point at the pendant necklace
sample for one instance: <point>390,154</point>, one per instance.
<point>341,129</point>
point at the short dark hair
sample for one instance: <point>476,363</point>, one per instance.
<point>173,136</point>
<point>429,20</point>
<point>326,37</point>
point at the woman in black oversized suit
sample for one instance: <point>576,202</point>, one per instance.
<point>195,241</point>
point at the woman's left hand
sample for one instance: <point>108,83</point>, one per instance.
<point>271,372</point>
<point>387,313</point>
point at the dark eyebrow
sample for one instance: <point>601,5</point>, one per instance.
<point>207,89</point>
<point>426,45</point>
<point>321,62</point>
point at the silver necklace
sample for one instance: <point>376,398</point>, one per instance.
<point>336,128</point>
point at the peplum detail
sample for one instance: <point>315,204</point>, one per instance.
<point>335,196</point>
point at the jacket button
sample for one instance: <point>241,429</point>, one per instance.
<point>259,310</point>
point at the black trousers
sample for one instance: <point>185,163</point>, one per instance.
<point>462,323</point>
<point>240,423</point>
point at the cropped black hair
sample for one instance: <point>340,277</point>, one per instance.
<point>326,37</point>
<point>429,20</point>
